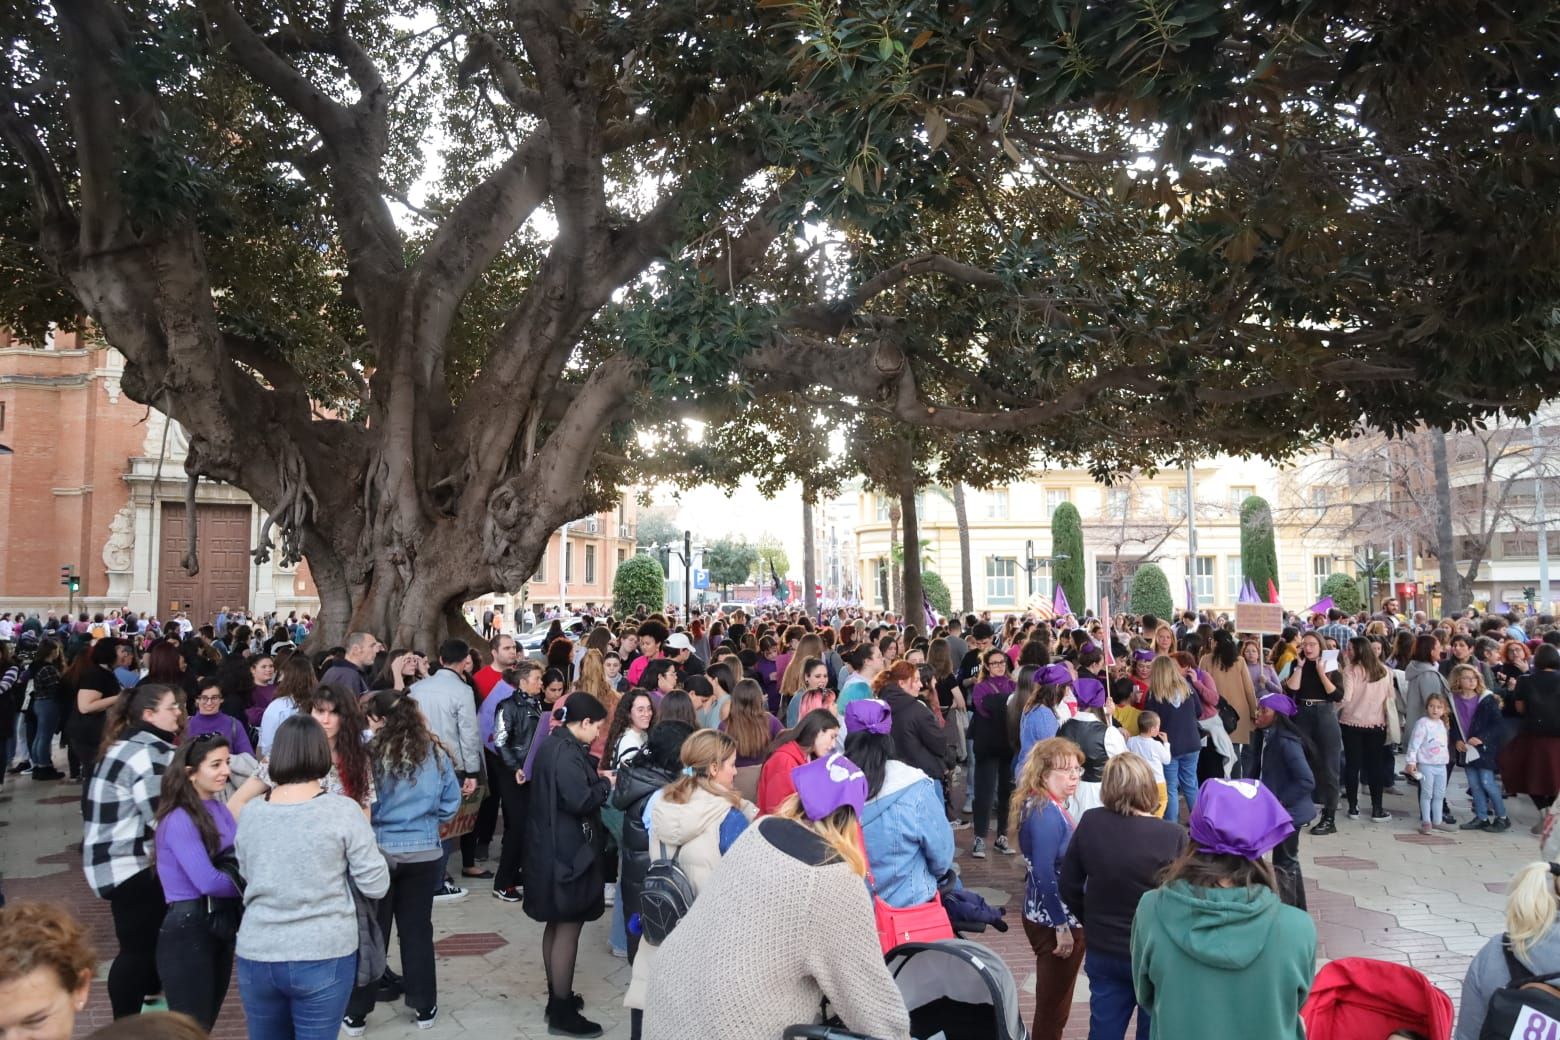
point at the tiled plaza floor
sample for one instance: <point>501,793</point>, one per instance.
<point>1376,890</point>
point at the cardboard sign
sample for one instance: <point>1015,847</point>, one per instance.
<point>1263,618</point>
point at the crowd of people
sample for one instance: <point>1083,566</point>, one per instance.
<point>774,787</point>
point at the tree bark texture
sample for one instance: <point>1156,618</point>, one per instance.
<point>1445,540</point>
<point>809,549</point>
<point>914,596</point>
<point>961,519</point>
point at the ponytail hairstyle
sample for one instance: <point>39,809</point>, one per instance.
<point>870,752</point>
<point>701,755</point>
<point>896,674</point>
<point>1531,903</point>
<point>403,744</point>
<point>838,830</point>
<point>178,792</point>
<point>127,710</point>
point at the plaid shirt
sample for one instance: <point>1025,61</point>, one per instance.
<point>1338,632</point>
<point>121,801</point>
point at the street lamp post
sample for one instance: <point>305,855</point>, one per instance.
<point>686,558</point>
<point>1033,563</point>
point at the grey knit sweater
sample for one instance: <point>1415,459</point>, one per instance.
<point>806,931</point>
<point>296,859</point>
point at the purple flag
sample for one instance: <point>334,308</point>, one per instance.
<point>1059,602</point>
<point>931,615</point>
<point>1321,606</point>
<point>1248,593</point>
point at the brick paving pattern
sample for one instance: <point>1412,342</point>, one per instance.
<point>1375,890</point>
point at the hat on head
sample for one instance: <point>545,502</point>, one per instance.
<point>1142,655</point>
<point>1055,675</point>
<point>678,641</point>
<point>868,716</point>
<point>825,784</point>
<point>1279,702</point>
<point>1238,818</point>
<point>1090,692</point>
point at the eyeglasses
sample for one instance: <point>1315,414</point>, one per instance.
<point>1068,770</point>
<point>209,698</point>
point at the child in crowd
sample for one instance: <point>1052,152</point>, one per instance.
<point>1477,734</point>
<point>1429,754</point>
<point>1154,748</point>
<point>1122,694</point>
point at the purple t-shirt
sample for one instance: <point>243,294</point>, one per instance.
<point>183,866</point>
<point>1465,707</point>
<point>225,725</point>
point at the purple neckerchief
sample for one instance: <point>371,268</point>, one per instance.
<point>487,715</point>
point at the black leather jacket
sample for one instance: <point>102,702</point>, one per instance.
<point>514,727</point>
<point>637,780</point>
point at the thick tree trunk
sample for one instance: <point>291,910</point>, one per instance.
<point>961,518</point>
<point>1445,542</point>
<point>809,548</point>
<point>914,600</point>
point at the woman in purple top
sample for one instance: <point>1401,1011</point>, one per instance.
<point>194,830</point>
<point>993,752</point>
<point>263,670</point>
<point>209,718</point>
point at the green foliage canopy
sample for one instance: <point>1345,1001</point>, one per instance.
<point>1067,540</point>
<point>937,592</point>
<point>1258,554</point>
<point>639,583</point>
<point>1151,592</point>
<point>1345,592</point>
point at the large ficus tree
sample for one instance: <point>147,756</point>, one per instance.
<point>412,275</point>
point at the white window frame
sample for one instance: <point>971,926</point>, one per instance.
<point>998,504</point>
<point>1234,580</point>
<point>1118,503</point>
<point>590,565</point>
<point>1175,503</point>
<point>1001,581</point>
<point>1054,497</point>
<point>1321,570</point>
<point>1205,569</point>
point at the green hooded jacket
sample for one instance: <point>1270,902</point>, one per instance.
<point>1222,963</point>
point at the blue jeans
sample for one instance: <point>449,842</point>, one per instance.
<point>296,1000</point>
<point>1432,792</point>
<point>1181,779</point>
<point>47,712</point>
<point>1111,997</point>
<point>1485,790</point>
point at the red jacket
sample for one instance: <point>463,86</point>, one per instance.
<point>774,780</point>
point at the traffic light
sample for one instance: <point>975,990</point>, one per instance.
<point>65,575</point>
<point>75,583</point>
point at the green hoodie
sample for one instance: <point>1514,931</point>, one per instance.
<point>1222,963</point>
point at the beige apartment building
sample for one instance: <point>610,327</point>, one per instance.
<point>1141,520</point>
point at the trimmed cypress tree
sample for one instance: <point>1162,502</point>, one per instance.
<point>1345,592</point>
<point>1067,540</point>
<point>1258,556</point>
<point>1151,592</point>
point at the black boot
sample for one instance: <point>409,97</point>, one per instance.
<point>1324,827</point>
<point>574,1000</point>
<point>564,1019</point>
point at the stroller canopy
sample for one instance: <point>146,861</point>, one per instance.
<point>1358,997</point>
<point>957,988</point>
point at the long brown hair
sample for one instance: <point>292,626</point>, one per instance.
<point>748,723</point>
<point>127,711</point>
<point>1028,792</point>
<point>178,791</point>
<point>593,680</point>
<point>295,681</point>
<point>350,754</point>
<point>404,742</point>
<point>808,647</point>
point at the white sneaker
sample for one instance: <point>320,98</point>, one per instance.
<point>449,892</point>
<point>978,848</point>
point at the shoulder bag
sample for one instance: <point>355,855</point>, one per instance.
<point>1527,1006</point>
<point>923,922</point>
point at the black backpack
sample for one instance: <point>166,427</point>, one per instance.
<point>665,898</point>
<point>1528,1005</point>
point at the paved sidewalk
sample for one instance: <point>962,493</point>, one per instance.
<point>1376,890</point>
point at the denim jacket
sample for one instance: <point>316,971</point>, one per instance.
<point>407,815</point>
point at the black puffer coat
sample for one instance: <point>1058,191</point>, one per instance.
<point>563,832</point>
<point>637,780</point>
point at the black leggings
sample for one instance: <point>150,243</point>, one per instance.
<point>138,909</point>
<point>993,781</point>
<point>409,903</point>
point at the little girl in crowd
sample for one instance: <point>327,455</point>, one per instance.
<point>1429,755</point>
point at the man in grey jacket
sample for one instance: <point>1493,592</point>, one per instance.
<point>450,706</point>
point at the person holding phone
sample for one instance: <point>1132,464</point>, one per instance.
<point>1317,691</point>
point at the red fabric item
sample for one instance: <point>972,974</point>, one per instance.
<point>485,679</point>
<point>1272,591</point>
<point>774,780</point>
<point>1357,997</point>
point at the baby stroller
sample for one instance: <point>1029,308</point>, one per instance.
<point>954,989</point>
<point>1358,997</point>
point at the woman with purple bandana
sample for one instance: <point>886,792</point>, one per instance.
<point>1217,926</point>
<point>1094,731</point>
